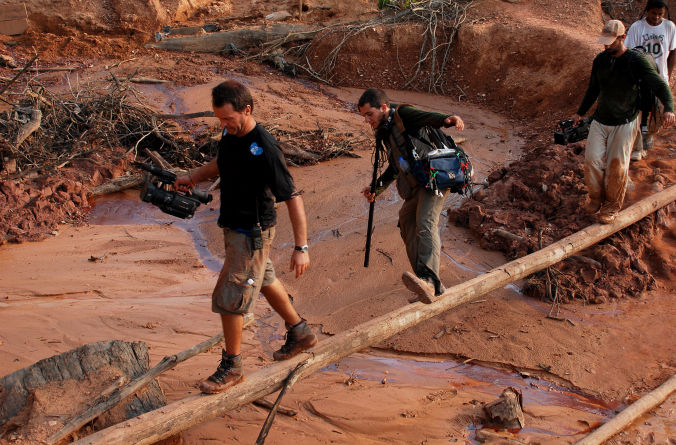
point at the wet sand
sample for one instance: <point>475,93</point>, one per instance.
<point>154,275</point>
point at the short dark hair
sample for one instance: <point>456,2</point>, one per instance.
<point>232,92</point>
<point>374,97</point>
<point>656,4</point>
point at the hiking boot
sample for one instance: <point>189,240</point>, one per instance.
<point>607,214</point>
<point>423,288</point>
<point>298,339</point>
<point>638,155</point>
<point>228,373</point>
<point>440,290</point>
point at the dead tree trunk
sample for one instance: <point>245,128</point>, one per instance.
<point>118,184</point>
<point>241,39</point>
<point>18,407</point>
<point>631,413</point>
<point>178,416</point>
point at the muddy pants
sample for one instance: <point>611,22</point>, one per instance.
<point>606,162</point>
<point>419,227</point>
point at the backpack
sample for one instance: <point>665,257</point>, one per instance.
<point>647,100</point>
<point>435,161</point>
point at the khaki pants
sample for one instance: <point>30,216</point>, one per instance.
<point>419,227</point>
<point>606,162</point>
<point>244,272</point>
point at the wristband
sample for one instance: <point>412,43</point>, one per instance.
<point>302,248</point>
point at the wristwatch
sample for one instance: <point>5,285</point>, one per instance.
<point>302,248</point>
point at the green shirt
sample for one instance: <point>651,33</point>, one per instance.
<point>614,82</point>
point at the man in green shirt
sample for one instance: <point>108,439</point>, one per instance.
<point>614,82</point>
<point>419,215</point>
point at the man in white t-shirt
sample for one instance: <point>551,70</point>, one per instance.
<point>657,35</point>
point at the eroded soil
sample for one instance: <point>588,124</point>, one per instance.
<point>613,336</point>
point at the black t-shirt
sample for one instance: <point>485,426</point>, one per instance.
<point>253,174</point>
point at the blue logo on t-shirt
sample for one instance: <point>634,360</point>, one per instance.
<point>255,149</point>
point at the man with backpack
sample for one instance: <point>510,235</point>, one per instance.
<point>419,215</point>
<point>655,35</point>
<point>616,73</point>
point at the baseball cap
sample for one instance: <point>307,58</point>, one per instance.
<point>611,31</point>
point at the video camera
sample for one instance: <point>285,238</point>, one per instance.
<point>570,133</point>
<point>182,205</point>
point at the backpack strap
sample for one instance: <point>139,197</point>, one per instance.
<point>397,118</point>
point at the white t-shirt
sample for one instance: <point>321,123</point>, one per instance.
<point>657,40</point>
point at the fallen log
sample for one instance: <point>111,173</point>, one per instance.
<point>141,381</point>
<point>118,184</point>
<point>186,115</point>
<point>631,413</point>
<point>178,416</point>
<point>89,365</point>
<point>147,80</point>
<point>242,39</point>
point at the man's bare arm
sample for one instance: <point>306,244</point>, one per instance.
<point>300,261</point>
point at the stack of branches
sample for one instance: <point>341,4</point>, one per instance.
<point>46,129</point>
<point>307,147</point>
<point>441,20</point>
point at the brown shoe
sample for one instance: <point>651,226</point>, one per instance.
<point>607,217</point>
<point>608,213</point>
<point>228,373</point>
<point>298,339</point>
<point>423,289</point>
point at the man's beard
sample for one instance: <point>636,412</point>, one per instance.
<point>613,51</point>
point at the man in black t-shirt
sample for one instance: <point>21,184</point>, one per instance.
<point>253,175</point>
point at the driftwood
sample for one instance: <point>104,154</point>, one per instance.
<point>631,413</point>
<point>131,359</point>
<point>118,184</point>
<point>186,115</point>
<point>141,381</point>
<point>30,127</point>
<point>263,403</point>
<point>241,39</point>
<point>509,235</point>
<point>51,69</point>
<point>158,159</point>
<point>147,80</point>
<point>178,416</point>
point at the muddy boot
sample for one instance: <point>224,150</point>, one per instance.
<point>423,289</point>
<point>608,213</point>
<point>298,339</point>
<point>228,373</point>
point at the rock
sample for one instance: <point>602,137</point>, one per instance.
<point>507,411</point>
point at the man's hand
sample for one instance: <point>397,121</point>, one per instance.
<point>300,261</point>
<point>184,183</point>
<point>454,121</point>
<point>370,197</point>
<point>575,118</point>
<point>668,119</point>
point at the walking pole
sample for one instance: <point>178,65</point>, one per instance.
<point>369,229</point>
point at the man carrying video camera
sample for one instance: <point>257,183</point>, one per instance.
<point>253,175</point>
<point>614,82</point>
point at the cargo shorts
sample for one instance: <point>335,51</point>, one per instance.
<point>244,272</point>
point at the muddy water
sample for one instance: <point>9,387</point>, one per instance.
<point>408,370</point>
